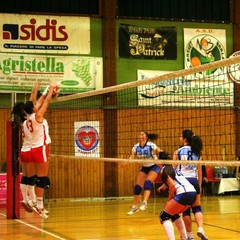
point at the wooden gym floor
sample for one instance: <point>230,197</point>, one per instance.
<point>107,219</point>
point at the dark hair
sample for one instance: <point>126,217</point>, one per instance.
<point>164,155</point>
<point>151,136</point>
<point>168,170</point>
<point>18,112</point>
<point>28,107</point>
<point>194,141</point>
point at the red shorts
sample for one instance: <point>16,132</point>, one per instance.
<point>26,157</point>
<point>40,154</point>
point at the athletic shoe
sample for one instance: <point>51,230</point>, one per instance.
<point>37,210</point>
<point>40,212</point>
<point>202,234</point>
<point>26,207</point>
<point>46,211</point>
<point>133,210</point>
<point>143,206</point>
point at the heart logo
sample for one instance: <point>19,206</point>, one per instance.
<point>87,138</point>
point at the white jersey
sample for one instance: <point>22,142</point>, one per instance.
<point>185,153</point>
<point>182,185</point>
<point>48,139</point>
<point>26,137</point>
<point>37,130</point>
<point>145,152</point>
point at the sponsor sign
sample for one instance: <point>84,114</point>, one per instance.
<point>19,72</point>
<point>184,92</point>
<point>3,189</point>
<point>147,43</point>
<point>86,138</point>
<point>44,34</point>
<point>203,46</point>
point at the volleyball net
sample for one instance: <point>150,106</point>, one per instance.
<point>103,125</point>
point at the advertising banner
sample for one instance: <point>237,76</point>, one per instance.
<point>44,34</point>
<point>86,138</point>
<point>75,74</point>
<point>203,46</point>
<point>183,92</point>
<point>147,43</point>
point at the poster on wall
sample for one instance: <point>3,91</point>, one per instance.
<point>27,33</point>
<point>86,138</point>
<point>147,42</point>
<point>75,74</point>
<point>203,46</point>
<point>183,92</point>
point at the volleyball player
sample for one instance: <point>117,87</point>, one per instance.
<point>37,126</point>
<point>181,195</point>
<point>25,156</point>
<point>144,150</point>
<point>191,150</point>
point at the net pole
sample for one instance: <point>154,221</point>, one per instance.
<point>13,172</point>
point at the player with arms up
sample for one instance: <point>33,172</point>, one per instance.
<point>40,154</point>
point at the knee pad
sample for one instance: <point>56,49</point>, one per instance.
<point>43,182</point>
<point>196,209</point>
<point>147,185</point>
<point>32,180</point>
<point>24,180</point>
<point>175,217</point>
<point>187,212</point>
<point>164,216</point>
<point>137,190</point>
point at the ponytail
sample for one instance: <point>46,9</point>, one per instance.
<point>194,141</point>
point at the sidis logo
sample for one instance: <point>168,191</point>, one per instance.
<point>87,138</point>
<point>50,31</point>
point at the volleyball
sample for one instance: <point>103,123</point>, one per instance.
<point>55,92</point>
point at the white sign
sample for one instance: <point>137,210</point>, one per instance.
<point>184,92</point>
<point>44,34</point>
<point>86,138</point>
<point>19,72</point>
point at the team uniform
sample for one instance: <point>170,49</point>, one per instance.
<point>185,192</point>
<point>145,152</point>
<point>189,171</point>
<point>25,154</point>
<point>38,131</point>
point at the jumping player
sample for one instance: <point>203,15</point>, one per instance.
<point>144,150</point>
<point>37,126</point>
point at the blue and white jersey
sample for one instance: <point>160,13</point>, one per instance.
<point>145,152</point>
<point>185,153</point>
<point>182,185</point>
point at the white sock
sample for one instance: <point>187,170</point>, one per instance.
<point>40,202</point>
<point>168,226</point>
<point>181,228</point>
<point>24,190</point>
<point>32,195</point>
